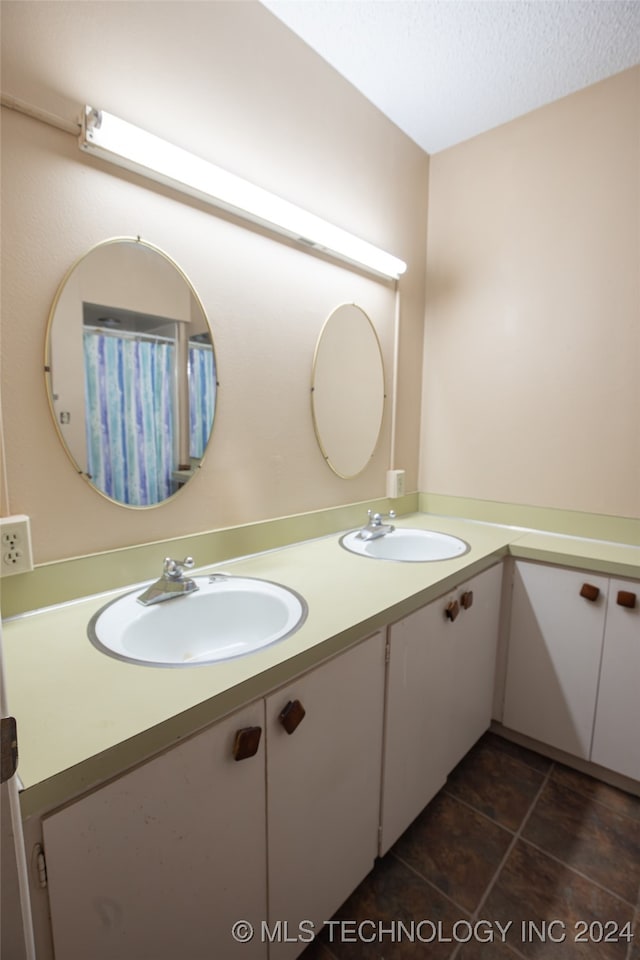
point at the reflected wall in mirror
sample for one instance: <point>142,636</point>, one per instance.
<point>130,369</point>
<point>347,390</point>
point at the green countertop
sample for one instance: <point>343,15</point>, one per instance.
<point>84,717</point>
<point>599,556</point>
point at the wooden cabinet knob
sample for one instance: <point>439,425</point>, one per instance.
<point>292,715</point>
<point>589,591</point>
<point>246,742</point>
<point>626,599</point>
<point>452,610</point>
<point>466,599</point>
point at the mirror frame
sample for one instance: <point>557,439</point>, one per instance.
<point>138,241</point>
<point>316,427</point>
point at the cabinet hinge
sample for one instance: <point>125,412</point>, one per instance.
<point>41,865</point>
<point>8,748</point>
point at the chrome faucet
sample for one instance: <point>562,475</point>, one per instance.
<point>171,584</point>
<point>375,527</point>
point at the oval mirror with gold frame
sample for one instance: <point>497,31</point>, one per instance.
<point>131,372</point>
<point>347,390</point>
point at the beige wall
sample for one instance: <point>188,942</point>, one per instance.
<point>532,345</point>
<point>230,82</point>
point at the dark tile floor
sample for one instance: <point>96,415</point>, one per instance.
<point>518,856</point>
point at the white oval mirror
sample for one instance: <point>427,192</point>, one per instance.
<point>347,390</point>
<point>131,372</point>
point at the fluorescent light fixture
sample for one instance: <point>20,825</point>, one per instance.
<point>126,145</point>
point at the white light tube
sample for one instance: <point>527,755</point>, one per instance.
<point>126,145</point>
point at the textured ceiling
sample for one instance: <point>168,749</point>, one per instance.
<point>446,70</point>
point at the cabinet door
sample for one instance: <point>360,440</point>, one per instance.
<point>161,862</point>
<point>415,763</point>
<point>555,643</point>
<point>473,636</point>
<point>616,739</point>
<point>440,681</point>
<point>323,789</point>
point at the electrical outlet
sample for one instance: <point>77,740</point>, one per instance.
<point>395,484</point>
<point>15,545</point>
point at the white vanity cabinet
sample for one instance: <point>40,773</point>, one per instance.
<point>323,789</point>
<point>616,733</point>
<point>573,668</point>
<point>440,683</point>
<point>554,648</point>
<point>162,861</point>
<point>473,637</point>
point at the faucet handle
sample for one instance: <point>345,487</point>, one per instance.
<point>174,569</point>
<point>377,518</point>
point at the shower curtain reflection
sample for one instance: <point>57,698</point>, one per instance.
<point>129,386</point>
<point>202,396</point>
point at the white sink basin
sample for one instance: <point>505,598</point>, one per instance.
<point>227,617</point>
<point>407,544</point>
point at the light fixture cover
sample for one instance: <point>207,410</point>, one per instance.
<point>126,145</point>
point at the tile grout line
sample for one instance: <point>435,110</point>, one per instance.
<point>516,836</point>
<point>579,873</point>
<point>480,813</point>
<point>573,787</point>
<point>433,885</point>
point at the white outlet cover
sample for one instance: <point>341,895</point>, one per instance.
<point>16,555</point>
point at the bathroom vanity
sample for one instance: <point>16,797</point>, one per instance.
<point>162,806</point>
<point>166,858</point>
<point>589,688</point>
